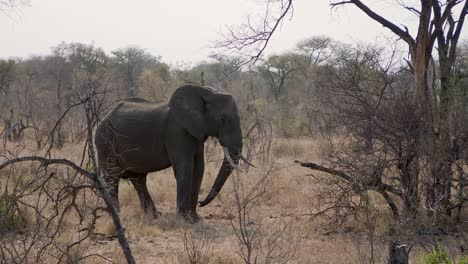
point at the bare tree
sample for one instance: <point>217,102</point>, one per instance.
<point>51,204</point>
<point>437,24</point>
<point>58,188</point>
<point>376,147</point>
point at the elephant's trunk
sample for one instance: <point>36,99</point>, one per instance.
<point>230,162</point>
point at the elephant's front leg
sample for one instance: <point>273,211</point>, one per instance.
<point>183,170</point>
<point>198,170</point>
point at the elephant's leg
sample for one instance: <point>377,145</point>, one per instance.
<point>147,204</point>
<point>198,170</point>
<point>183,170</point>
<point>111,174</point>
<point>113,189</point>
<point>112,186</point>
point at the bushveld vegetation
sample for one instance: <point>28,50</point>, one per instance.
<point>351,168</point>
<point>347,107</point>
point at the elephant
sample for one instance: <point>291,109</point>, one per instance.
<point>138,137</point>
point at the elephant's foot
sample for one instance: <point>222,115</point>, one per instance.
<point>195,217</point>
<point>155,213</point>
<point>190,216</point>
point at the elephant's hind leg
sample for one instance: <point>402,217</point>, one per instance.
<point>111,173</point>
<point>147,204</point>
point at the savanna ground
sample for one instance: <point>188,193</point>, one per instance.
<point>280,216</point>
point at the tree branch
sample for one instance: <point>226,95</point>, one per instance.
<point>384,22</point>
<point>457,32</point>
<point>255,38</point>
<point>379,186</point>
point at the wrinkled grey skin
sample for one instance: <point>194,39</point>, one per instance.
<point>138,137</point>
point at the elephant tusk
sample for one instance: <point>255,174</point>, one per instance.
<point>229,159</point>
<point>246,161</point>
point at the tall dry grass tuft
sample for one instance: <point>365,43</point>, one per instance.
<point>197,246</point>
<point>258,236</point>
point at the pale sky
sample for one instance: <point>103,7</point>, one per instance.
<point>178,30</point>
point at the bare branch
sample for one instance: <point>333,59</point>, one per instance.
<point>379,186</point>
<point>254,37</point>
<point>456,34</point>
<point>384,22</point>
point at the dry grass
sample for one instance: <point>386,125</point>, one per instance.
<point>162,240</point>
<point>295,148</point>
<point>287,200</point>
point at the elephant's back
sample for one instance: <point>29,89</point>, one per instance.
<point>136,116</point>
<point>137,105</point>
<point>135,128</point>
<point>135,108</point>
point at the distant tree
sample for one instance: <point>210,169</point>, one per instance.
<point>33,101</point>
<point>277,69</point>
<point>87,57</point>
<point>130,62</point>
<point>218,72</point>
<point>7,75</point>
<point>164,72</point>
<point>58,67</point>
<point>31,67</point>
<point>225,70</point>
<point>153,86</point>
<point>317,49</point>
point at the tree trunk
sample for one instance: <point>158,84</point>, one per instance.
<point>438,189</point>
<point>409,175</point>
<point>409,163</point>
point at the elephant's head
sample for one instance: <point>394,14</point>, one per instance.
<point>205,112</point>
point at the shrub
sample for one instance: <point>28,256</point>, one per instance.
<point>7,214</point>
<point>90,167</point>
<point>436,256</point>
<point>463,260</point>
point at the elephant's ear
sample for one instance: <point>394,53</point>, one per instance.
<point>187,105</point>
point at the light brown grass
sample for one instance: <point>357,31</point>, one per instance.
<point>287,198</point>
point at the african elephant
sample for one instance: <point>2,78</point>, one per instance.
<point>138,137</point>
